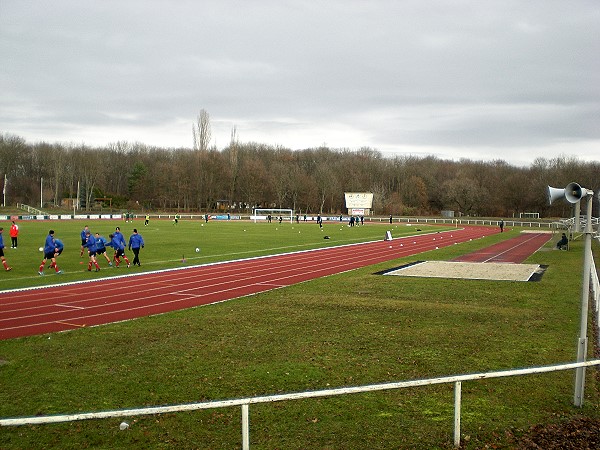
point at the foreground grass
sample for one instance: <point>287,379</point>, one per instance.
<point>349,329</point>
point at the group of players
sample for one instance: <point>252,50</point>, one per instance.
<point>95,246</point>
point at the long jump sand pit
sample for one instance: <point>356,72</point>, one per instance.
<point>472,271</point>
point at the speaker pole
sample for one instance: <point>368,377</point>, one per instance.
<point>577,215</point>
<point>574,193</point>
<point>585,296</point>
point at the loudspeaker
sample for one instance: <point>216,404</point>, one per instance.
<point>572,193</point>
<point>555,194</point>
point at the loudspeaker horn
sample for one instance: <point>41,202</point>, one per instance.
<point>574,192</point>
<point>555,194</point>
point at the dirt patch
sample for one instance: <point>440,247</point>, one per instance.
<point>578,433</point>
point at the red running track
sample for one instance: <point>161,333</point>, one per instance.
<point>74,305</point>
<point>515,250</point>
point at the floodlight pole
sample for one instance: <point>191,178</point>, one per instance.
<point>585,295</point>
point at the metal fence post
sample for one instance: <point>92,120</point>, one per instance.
<point>245,427</point>
<point>457,399</point>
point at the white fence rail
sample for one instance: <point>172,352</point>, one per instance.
<point>31,209</point>
<point>245,403</point>
<point>595,291</point>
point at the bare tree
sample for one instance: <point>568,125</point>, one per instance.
<point>233,164</point>
<point>201,131</point>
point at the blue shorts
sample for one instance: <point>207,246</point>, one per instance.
<point>49,255</point>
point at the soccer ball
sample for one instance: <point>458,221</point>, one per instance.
<point>197,250</point>
<point>41,249</point>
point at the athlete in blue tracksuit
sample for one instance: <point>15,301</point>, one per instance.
<point>83,235</point>
<point>90,244</point>
<point>117,242</point>
<point>135,243</point>
<point>4,263</point>
<point>58,247</point>
<point>101,247</point>
<point>49,253</point>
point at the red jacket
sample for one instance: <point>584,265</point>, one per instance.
<point>14,230</point>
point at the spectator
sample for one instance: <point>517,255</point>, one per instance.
<point>14,234</point>
<point>563,243</point>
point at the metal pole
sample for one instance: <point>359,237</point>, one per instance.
<point>246,427</point>
<point>41,192</point>
<point>457,400</point>
<point>585,295</point>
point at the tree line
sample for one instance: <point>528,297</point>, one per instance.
<point>243,176</point>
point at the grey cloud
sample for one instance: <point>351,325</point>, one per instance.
<point>439,77</point>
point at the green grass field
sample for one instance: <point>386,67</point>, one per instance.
<point>348,329</point>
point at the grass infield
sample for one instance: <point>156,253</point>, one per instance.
<point>348,329</point>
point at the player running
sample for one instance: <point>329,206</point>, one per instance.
<point>117,241</point>
<point>49,253</point>
<point>4,263</point>
<point>58,249</point>
<point>83,235</point>
<point>101,248</point>
<point>90,244</point>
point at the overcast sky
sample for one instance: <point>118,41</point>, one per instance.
<point>484,80</point>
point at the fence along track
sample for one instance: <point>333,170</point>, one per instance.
<point>244,403</point>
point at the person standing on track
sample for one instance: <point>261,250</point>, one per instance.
<point>4,263</point>
<point>14,234</point>
<point>135,243</point>
<point>49,253</point>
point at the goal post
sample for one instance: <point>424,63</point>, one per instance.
<point>287,215</point>
<point>529,215</point>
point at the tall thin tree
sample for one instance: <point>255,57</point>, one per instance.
<point>201,131</point>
